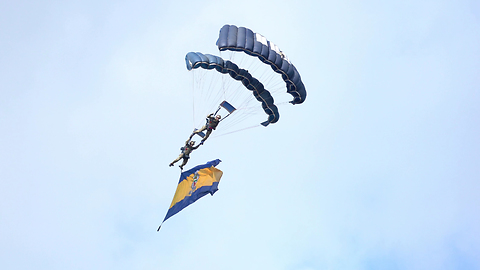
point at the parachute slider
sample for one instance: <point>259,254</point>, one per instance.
<point>227,106</point>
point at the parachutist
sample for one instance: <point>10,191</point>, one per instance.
<point>211,125</point>
<point>186,150</point>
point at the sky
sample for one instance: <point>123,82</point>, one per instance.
<point>379,168</point>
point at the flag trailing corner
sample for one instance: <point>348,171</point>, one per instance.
<point>194,184</point>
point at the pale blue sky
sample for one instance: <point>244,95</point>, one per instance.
<point>378,169</point>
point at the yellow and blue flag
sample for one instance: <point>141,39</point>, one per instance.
<point>194,184</point>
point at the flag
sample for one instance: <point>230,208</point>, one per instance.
<point>194,184</point>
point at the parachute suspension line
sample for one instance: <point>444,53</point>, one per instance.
<point>209,89</point>
<point>224,87</point>
<point>271,80</point>
<point>206,99</point>
<point>217,110</point>
<point>283,103</point>
<point>239,97</point>
<point>204,83</point>
<point>239,116</point>
<point>235,131</point>
<point>193,105</point>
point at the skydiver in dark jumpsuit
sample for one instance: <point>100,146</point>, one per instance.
<point>212,123</point>
<point>186,150</point>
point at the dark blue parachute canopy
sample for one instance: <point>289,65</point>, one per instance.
<point>243,39</point>
<point>207,61</point>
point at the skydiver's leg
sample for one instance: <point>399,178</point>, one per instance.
<point>185,160</point>
<point>206,135</point>
<point>176,160</point>
<point>200,130</point>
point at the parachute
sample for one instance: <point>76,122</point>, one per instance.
<point>211,89</point>
<point>272,81</point>
<point>235,38</point>
<point>211,62</point>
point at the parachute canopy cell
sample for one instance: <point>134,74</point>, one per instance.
<point>212,62</point>
<point>235,38</point>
